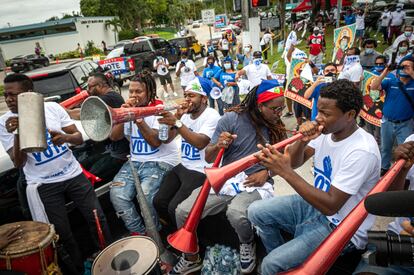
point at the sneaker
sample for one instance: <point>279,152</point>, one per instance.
<point>247,257</point>
<point>175,94</point>
<point>165,95</point>
<point>186,267</point>
<point>288,114</point>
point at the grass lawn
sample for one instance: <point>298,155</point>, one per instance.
<point>329,48</point>
<point>1,90</point>
<point>166,33</point>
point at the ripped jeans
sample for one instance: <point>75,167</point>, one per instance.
<point>123,192</point>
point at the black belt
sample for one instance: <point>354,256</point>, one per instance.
<point>399,121</point>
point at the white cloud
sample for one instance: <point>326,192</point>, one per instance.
<point>23,12</point>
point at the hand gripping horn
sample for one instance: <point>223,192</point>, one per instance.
<point>185,239</point>
<point>97,118</point>
<point>218,176</point>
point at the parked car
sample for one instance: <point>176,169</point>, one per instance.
<point>28,62</point>
<point>65,79</point>
<point>137,55</point>
<point>189,44</point>
<point>118,45</point>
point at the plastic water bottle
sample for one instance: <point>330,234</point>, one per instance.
<point>163,132</point>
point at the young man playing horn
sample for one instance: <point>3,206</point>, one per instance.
<point>347,166</point>
<point>151,158</point>
<point>259,113</point>
<point>53,174</point>
<point>196,123</point>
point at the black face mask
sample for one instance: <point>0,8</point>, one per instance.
<point>330,74</point>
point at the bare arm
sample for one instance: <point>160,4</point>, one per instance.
<point>149,134</point>
<point>309,91</point>
<point>70,135</point>
<point>74,113</point>
<point>224,141</point>
<point>376,83</point>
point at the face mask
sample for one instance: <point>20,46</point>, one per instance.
<point>369,51</point>
<point>227,66</point>
<point>385,10</point>
<point>257,61</point>
<point>399,9</point>
<point>403,74</point>
<point>379,68</point>
<point>184,60</point>
<point>211,65</point>
<point>402,49</point>
<point>330,74</point>
<point>408,34</point>
<point>315,33</point>
<point>246,50</point>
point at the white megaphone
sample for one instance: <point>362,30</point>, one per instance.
<point>215,93</point>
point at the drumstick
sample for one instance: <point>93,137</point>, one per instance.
<point>99,229</point>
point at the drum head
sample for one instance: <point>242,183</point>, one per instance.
<point>34,234</point>
<point>131,255</point>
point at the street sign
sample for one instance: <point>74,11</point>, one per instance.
<point>208,16</point>
<point>221,21</point>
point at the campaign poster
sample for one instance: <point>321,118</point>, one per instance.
<point>297,85</point>
<point>343,40</point>
<point>373,100</point>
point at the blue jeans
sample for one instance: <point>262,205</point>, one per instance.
<point>389,132</point>
<point>123,192</point>
<point>219,104</point>
<point>293,215</point>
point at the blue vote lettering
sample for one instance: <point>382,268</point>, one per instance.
<point>141,147</point>
<point>189,152</point>
<point>50,153</point>
<point>323,177</point>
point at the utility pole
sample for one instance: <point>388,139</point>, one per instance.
<point>283,17</point>
<point>245,7</point>
<point>338,13</point>
<point>225,8</point>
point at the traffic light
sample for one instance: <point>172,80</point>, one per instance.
<point>259,3</point>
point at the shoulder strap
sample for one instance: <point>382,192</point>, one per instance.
<point>409,98</point>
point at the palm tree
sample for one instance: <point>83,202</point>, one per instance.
<point>115,23</point>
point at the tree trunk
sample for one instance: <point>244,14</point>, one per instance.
<point>314,8</point>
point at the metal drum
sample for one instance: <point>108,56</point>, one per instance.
<point>32,124</point>
<point>131,255</point>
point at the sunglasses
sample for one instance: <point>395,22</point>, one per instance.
<point>277,109</point>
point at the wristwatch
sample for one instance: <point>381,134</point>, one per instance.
<point>178,124</point>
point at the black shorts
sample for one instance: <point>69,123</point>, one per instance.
<point>165,78</point>
<point>301,110</point>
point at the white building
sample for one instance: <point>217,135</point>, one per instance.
<point>56,36</point>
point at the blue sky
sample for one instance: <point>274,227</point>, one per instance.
<point>22,12</point>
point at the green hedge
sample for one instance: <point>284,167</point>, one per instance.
<point>1,90</point>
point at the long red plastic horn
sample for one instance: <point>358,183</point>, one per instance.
<point>101,238</point>
<point>97,118</point>
<point>328,251</point>
<point>74,100</point>
<point>218,176</point>
<point>185,239</point>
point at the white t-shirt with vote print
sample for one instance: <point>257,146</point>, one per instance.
<point>56,163</point>
<point>351,165</point>
<point>191,157</point>
<point>141,151</point>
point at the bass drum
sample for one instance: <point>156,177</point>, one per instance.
<point>132,255</point>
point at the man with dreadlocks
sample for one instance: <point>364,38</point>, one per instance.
<point>152,159</point>
<point>347,166</point>
<point>256,120</point>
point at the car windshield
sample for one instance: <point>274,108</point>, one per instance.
<point>180,42</point>
<point>115,53</point>
<point>54,84</point>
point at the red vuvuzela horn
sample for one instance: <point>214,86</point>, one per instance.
<point>74,100</point>
<point>328,251</point>
<point>218,176</point>
<point>185,239</point>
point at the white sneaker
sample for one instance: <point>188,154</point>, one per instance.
<point>175,94</point>
<point>186,267</point>
<point>247,257</point>
<point>166,95</point>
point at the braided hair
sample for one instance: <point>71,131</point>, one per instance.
<point>146,78</point>
<point>277,132</point>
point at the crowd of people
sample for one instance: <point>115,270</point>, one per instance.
<point>349,156</point>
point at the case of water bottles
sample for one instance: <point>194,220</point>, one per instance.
<point>221,260</point>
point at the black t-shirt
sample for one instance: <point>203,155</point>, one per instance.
<point>119,149</point>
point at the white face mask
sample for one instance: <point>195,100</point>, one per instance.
<point>257,61</point>
<point>227,66</point>
<point>246,50</point>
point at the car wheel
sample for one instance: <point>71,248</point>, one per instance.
<point>47,63</point>
<point>203,52</point>
<point>117,89</point>
<point>30,67</point>
<point>193,56</point>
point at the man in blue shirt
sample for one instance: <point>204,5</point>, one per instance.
<point>208,73</point>
<point>312,93</point>
<point>398,110</point>
<point>349,18</point>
